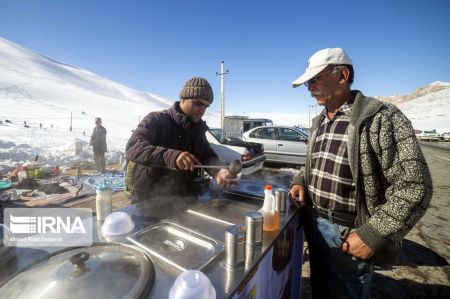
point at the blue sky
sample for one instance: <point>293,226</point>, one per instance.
<point>155,46</point>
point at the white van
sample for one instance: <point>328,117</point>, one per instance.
<point>235,125</point>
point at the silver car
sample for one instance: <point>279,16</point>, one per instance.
<point>428,136</point>
<point>282,144</point>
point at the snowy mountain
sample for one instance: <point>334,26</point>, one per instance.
<point>37,90</point>
<point>428,107</point>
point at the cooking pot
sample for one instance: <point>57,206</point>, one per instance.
<point>104,270</point>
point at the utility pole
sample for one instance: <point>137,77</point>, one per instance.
<point>309,113</point>
<point>222,92</point>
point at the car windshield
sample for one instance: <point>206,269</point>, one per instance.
<point>217,133</point>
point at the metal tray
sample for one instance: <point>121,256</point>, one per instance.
<point>177,246</point>
<point>224,211</point>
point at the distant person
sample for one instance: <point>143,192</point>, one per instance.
<point>365,183</point>
<point>167,144</point>
<point>98,142</point>
<point>40,125</point>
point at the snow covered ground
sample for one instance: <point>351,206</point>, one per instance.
<point>40,91</point>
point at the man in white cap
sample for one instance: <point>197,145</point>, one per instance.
<point>365,183</point>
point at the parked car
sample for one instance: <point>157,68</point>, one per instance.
<point>235,125</point>
<point>428,136</point>
<point>445,136</point>
<point>250,154</point>
<point>282,144</point>
<point>251,123</point>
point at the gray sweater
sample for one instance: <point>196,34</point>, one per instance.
<point>392,178</point>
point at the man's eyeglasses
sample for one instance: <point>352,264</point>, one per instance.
<point>200,104</point>
<point>317,78</point>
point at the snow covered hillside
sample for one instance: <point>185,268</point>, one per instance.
<point>428,107</point>
<point>37,90</point>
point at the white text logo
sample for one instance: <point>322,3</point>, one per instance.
<point>45,224</point>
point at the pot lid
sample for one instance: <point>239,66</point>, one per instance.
<point>6,252</point>
<point>101,271</point>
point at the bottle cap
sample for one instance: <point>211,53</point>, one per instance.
<point>103,186</point>
<point>268,187</point>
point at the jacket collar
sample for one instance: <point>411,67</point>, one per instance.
<point>364,107</point>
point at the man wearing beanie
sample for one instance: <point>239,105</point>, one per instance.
<point>167,144</point>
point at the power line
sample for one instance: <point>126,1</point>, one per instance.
<point>128,27</point>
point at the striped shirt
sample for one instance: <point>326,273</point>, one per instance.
<point>331,186</point>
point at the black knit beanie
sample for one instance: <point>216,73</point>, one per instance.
<point>196,88</point>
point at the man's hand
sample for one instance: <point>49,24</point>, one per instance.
<point>186,161</point>
<point>297,196</point>
<point>354,246</point>
<point>223,178</point>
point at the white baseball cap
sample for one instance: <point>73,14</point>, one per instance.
<point>319,61</point>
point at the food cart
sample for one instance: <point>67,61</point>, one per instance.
<point>187,234</point>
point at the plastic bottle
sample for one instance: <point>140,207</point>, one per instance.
<point>22,174</point>
<point>271,217</point>
<point>103,201</point>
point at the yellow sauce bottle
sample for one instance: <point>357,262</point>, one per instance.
<point>271,221</point>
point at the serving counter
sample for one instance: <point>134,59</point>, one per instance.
<point>189,233</point>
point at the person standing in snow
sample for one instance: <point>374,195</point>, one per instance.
<point>365,183</point>
<point>98,142</point>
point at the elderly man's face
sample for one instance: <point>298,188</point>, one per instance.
<point>325,86</point>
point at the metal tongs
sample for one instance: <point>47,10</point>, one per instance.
<point>235,167</point>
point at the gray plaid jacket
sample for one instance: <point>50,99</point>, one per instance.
<point>394,185</point>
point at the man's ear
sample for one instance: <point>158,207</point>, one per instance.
<point>345,74</point>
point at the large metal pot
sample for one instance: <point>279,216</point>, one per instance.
<point>104,270</point>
